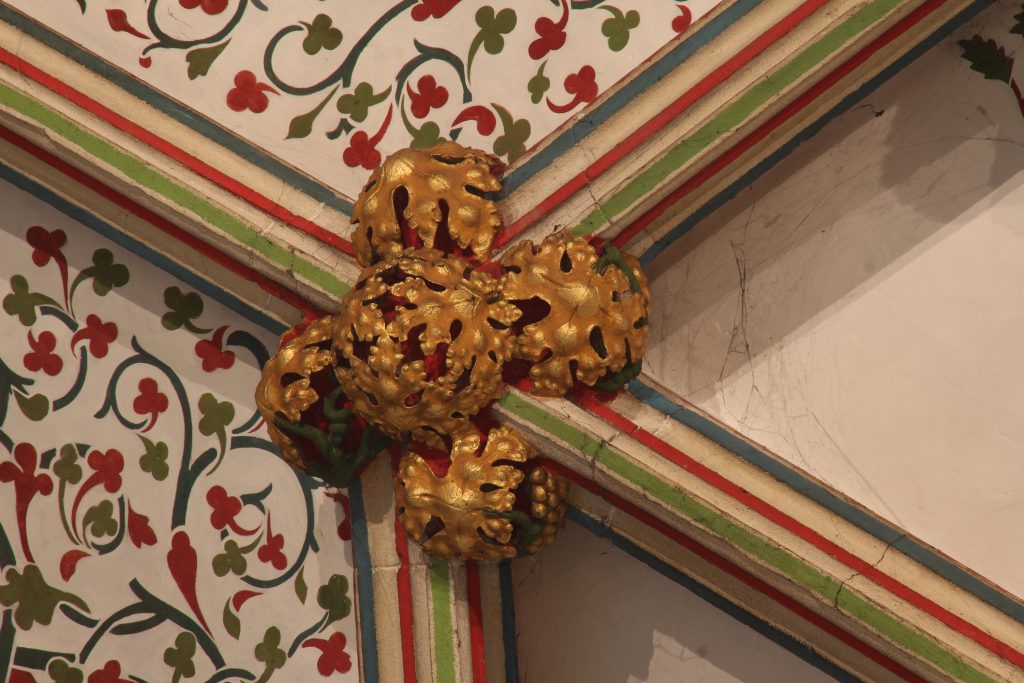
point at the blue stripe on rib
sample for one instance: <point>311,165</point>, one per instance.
<point>364,583</point>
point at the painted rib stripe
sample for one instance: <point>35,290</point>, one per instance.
<point>444,646</point>
<point>403,586</point>
<point>857,516</point>
<point>364,584</point>
<point>733,115</point>
<point>203,169</point>
<point>651,127</point>
<point>741,615</point>
<point>508,620</point>
<point>812,129</point>
<point>476,623</point>
<point>627,93</point>
<point>175,193</point>
<point>833,550</point>
<point>772,555</point>
<point>175,110</point>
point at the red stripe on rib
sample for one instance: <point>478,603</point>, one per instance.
<point>404,585</point>
<point>476,623</point>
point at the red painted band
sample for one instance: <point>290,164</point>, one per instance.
<point>476,622</point>
<point>644,132</point>
<point>273,288</point>
<point>804,532</point>
<point>225,181</point>
<point>737,572</point>
<point>404,586</point>
<point>775,121</point>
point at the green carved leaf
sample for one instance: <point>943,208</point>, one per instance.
<point>22,302</point>
<point>617,27</point>
<point>333,597</point>
<point>67,468</point>
<point>180,657</point>
<point>182,310</point>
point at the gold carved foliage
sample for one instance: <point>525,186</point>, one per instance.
<point>285,387</point>
<point>419,345</point>
<point>470,512</point>
<point>421,339</point>
<point>423,189</point>
<point>597,310</point>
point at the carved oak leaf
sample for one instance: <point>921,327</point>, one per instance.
<point>285,388</point>
<point>447,515</point>
<point>597,320</point>
<point>423,188</point>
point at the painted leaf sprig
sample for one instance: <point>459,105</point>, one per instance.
<point>987,58</point>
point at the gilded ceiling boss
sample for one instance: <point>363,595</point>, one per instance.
<point>428,338</point>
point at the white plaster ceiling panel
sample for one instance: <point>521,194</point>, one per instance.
<point>331,86</point>
<point>587,610</point>
<point>857,310</point>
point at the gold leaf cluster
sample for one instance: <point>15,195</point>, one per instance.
<point>404,310</point>
<point>597,314</point>
<point>454,516</point>
<point>285,389</point>
<point>424,188</point>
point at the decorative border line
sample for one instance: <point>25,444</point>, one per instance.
<point>508,620</point>
<point>794,526</point>
<point>645,131</point>
<point>643,391</point>
<point>444,627</point>
<point>711,205</point>
<point>476,623</point>
<point>752,621</point>
<point>171,151</point>
<point>364,585</point>
<point>170,190</point>
<point>782,560</point>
